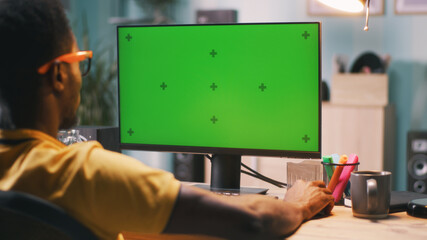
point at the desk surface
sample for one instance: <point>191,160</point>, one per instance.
<point>341,225</point>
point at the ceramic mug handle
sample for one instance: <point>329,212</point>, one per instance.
<point>372,192</point>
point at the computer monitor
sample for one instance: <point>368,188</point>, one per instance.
<point>224,89</point>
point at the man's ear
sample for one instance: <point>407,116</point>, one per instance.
<point>57,78</point>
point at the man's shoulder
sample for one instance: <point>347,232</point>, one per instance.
<point>94,152</point>
<point>77,154</point>
<point>90,150</point>
<point>80,146</point>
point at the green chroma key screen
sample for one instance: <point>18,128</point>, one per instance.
<point>236,88</point>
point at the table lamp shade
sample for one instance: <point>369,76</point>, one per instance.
<point>353,6</point>
<point>345,5</point>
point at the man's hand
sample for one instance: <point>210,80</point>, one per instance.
<point>313,197</point>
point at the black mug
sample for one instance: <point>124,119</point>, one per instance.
<point>370,193</point>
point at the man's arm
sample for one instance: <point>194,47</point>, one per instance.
<point>250,216</point>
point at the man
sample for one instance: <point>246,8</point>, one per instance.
<point>108,192</point>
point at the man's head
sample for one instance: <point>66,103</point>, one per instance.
<point>33,32</point>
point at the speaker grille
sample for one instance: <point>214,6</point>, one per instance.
<point>417,161</point>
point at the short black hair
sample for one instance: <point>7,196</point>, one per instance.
<point>32,32</point>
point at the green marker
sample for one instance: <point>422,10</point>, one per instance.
<point>328,168</point>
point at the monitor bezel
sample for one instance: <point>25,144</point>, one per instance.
<point>222,150</point>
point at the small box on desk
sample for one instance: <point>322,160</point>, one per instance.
<point>308,170</point>
<point>360,89</point>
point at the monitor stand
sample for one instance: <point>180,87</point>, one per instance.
<point>225,176</point>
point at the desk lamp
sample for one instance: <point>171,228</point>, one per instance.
<point>353,6</point>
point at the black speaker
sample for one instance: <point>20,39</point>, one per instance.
<point>189,167</point>
<point>417,161</point>
<point>107,136</point>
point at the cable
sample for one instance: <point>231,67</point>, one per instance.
<point>258,175</point>
<point>261,178</point>
<point>264,178</point>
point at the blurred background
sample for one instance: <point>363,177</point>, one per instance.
<point>395,34</point>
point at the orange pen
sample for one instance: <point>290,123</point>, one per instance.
<point>336,176</point>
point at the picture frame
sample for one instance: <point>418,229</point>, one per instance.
<point>315,8</point>
<point>410,7</point>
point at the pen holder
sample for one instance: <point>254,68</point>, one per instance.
<point>308,170</point>
<point>328,171</point>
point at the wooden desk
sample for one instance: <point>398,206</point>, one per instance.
<point>341,225</point>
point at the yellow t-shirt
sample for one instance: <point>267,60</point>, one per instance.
<point>106,191</point>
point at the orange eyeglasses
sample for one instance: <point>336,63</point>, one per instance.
<point>83,57</point>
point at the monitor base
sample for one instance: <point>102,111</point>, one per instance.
<point>232,192</point>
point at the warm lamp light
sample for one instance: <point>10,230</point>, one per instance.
<point>344,5</point>
<point>353,6</point>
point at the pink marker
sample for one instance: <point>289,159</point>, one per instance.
<point>344,177</point>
